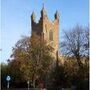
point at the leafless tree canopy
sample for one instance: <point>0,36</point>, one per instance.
<point>76,42</point>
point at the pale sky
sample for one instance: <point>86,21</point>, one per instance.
<point>15,18</point>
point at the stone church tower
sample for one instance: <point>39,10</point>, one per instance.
<point>47,29</point>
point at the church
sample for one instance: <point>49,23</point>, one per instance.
<point>46,29</point>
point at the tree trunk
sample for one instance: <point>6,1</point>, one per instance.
<point>79,61</point>
<point>34,83</point>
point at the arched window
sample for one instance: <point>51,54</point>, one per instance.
<point>50,35</point>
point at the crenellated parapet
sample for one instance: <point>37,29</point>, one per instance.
<point>43,18</point>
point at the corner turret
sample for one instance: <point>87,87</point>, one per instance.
<point>56,15</point>
<point>33,17</point>
<point>43,12</point>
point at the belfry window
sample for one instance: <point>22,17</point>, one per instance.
<point>51,35</point>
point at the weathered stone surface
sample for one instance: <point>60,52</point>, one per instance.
<point>48,30</point>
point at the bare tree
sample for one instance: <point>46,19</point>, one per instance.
<point>76,43</point>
